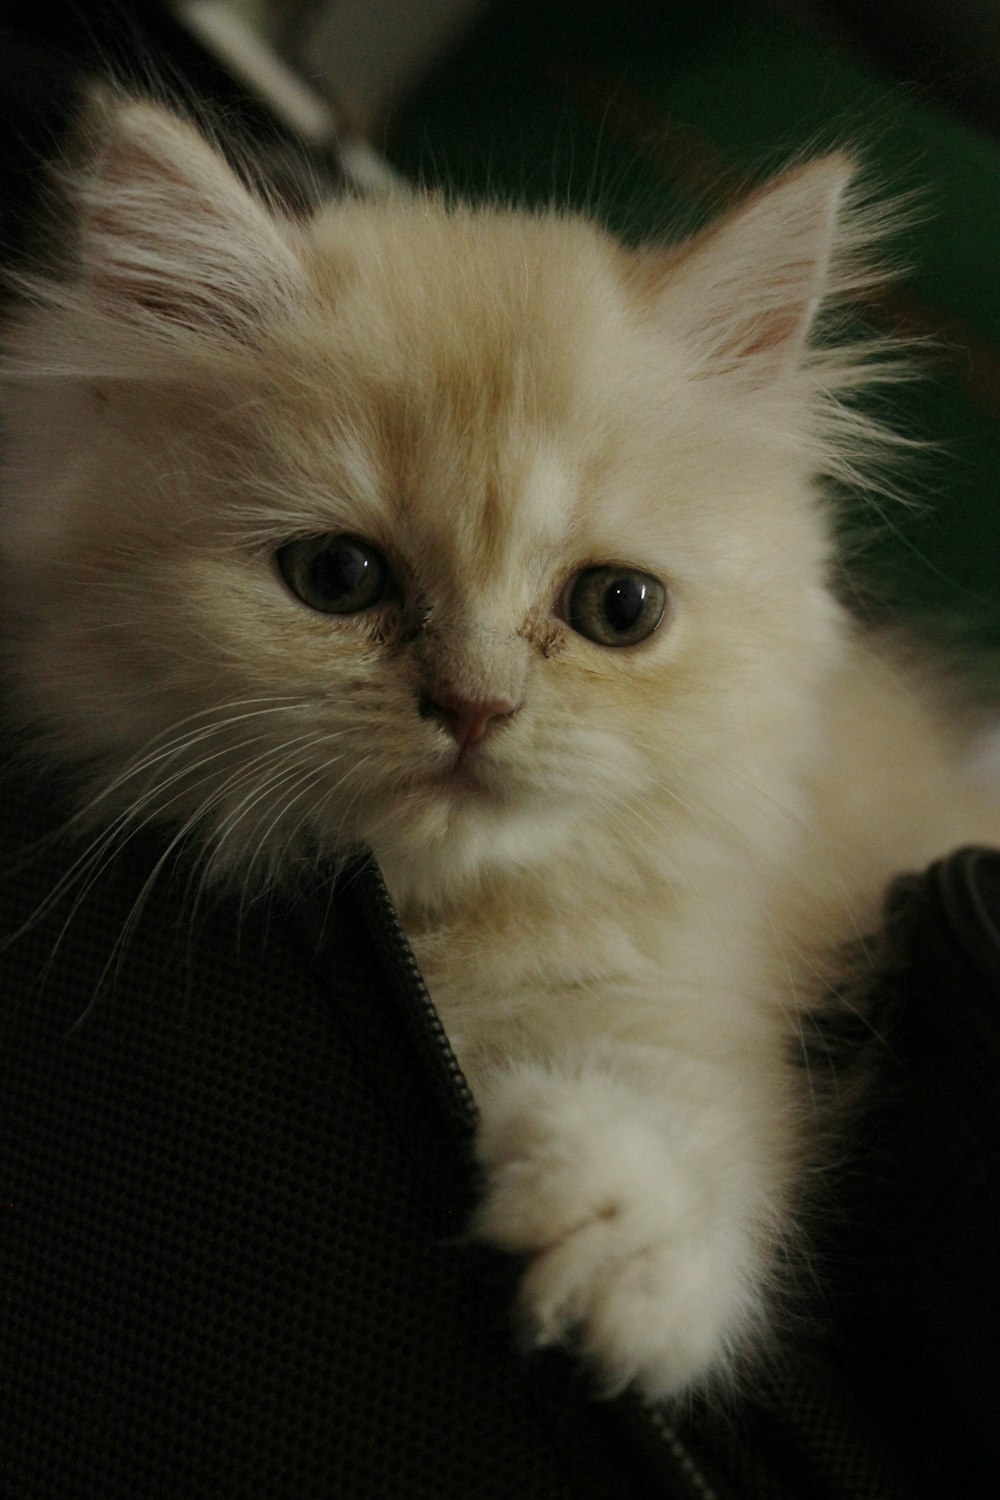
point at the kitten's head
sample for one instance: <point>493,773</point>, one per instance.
<point>465,534</point>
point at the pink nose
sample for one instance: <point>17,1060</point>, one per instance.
<point>467,720</point>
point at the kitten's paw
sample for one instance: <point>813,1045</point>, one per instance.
<point>627,1253</point>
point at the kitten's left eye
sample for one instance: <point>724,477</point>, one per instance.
<point>614,606</point>
<point>340,575</point>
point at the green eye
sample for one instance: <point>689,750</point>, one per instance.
<point>340,575</point>
<point>614,606</point>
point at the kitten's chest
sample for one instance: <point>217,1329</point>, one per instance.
<point>532,979</point>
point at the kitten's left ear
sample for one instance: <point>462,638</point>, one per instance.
<point>746,292</point>
<point>168,234</point>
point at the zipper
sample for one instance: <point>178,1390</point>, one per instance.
<point>653,1441</point>
<point>441,1067</point>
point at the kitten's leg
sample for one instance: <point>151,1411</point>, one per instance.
<point>642,1209</point>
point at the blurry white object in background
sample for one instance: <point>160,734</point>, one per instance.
<point>984,759</point>
<point>367,54</point>
<point>356,58</point>
<point>225,29</point>
<point>242,35</point>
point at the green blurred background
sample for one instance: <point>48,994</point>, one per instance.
<point>650,114</point>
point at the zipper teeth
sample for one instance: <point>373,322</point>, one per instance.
<point>680,1453</point>
<point>453,1088</point>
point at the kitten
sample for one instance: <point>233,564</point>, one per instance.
<point>475,538</point>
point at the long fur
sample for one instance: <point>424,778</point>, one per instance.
<point>628,895</point>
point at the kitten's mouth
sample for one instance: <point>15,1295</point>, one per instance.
<point>464,777</point>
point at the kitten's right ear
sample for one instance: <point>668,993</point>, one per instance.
<point>166,231</point>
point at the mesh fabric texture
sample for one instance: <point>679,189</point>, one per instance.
<point>230,1257</point>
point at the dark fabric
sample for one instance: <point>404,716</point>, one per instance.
<point>232,1207</point>
<point>919,1317</point>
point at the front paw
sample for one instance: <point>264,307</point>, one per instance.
<point>628,1255</point>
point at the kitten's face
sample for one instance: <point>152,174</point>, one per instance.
<point>477,539</point>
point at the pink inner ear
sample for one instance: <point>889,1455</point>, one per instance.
<point>136,271</point>
<point>784,327</point>
<point>137,207</point>
<point>770,337</point>
<point>168,230</point>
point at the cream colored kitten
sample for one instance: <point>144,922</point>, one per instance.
<point>473,537</point>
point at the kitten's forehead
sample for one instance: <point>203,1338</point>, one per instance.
<point>483,317</point>
<point>464,337</point>
<point>503,535</point>
<point>434,270</point>
<point>487,517</point>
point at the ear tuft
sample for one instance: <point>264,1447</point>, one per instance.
<point>167,232</point>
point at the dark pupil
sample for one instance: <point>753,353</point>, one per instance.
<point>339,570</point>
<point>623,603</point>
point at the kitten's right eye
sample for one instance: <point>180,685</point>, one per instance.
<point>339,575</point>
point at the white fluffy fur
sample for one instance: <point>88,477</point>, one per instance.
<point>625,896</point>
